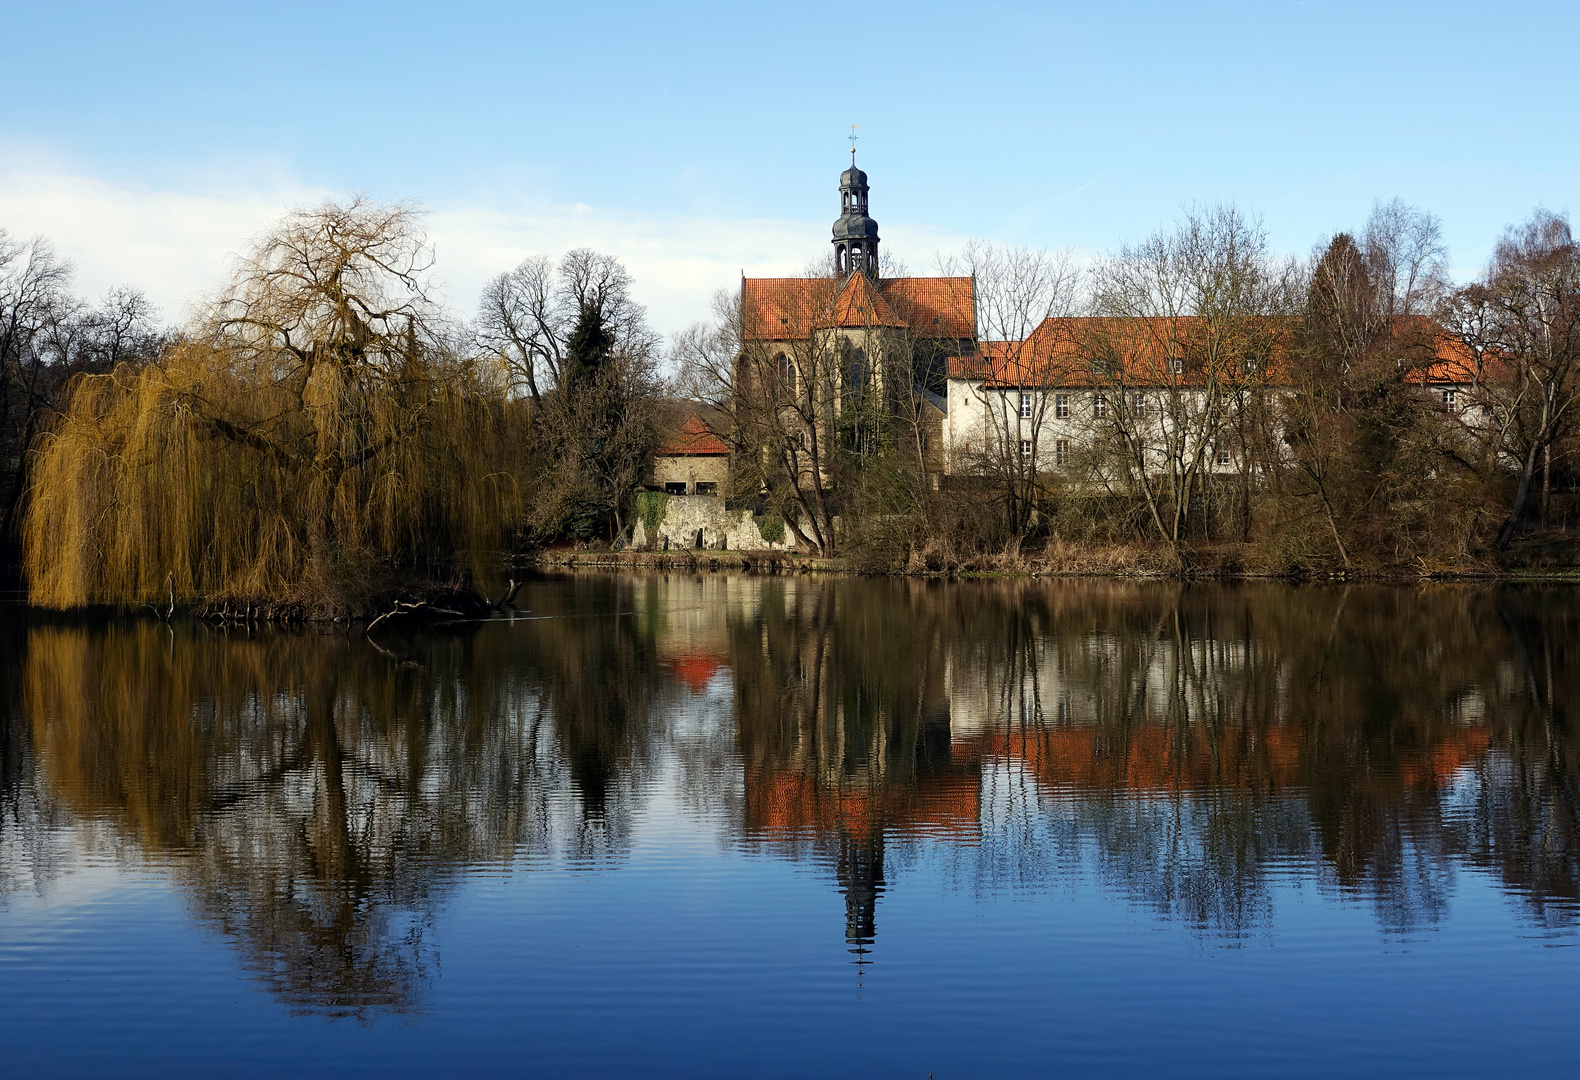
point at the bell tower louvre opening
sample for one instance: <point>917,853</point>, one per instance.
<point>855,234</point>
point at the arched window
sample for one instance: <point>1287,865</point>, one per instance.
<point>858,370</point>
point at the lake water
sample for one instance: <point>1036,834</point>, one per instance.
<point>725,826</point>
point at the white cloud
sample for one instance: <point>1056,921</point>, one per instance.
<point>175,244</point>
<point>172,245</point>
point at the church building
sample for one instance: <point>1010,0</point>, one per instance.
<point>856,333</point>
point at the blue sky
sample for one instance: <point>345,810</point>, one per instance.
<point>698,140</point>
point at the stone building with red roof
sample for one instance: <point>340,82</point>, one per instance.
<point>693,461</point>
<point>857,335</point>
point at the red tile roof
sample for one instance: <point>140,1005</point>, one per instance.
<point>860,303</point>
<point>943,307</point>
<point>1060,352</point>
<point>693,440</point>
<point>788,309</point>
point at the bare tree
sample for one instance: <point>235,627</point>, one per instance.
<point>528,314</point>
<point>1021,298</point>
<point>1182,332</point>
<point>34,298</point>
<point>1521,325</point>
<point>1406,259</point>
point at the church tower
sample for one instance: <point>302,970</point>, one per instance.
<point>855,234</point>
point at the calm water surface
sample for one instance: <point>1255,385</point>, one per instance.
<point>733,826</point>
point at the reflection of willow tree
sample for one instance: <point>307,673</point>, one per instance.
<point>843,723</point>
<point>29,851</point>
<point>312,792</point>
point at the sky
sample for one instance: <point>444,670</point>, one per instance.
<point>150,141</point>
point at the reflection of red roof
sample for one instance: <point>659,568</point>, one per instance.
<point>789,309</point>
<point>693,440</point>
<point>1155,758</point>
<point>789,803</point>
<point>695,670</point>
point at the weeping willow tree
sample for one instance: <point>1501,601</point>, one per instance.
<point>319,435</point>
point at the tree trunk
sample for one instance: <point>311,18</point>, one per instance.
<point>1520,499</point>
<point>1547,480</point>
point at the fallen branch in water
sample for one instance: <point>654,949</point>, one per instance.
<point>509,599</point>
<point>401,608</point>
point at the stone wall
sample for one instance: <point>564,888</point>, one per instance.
<point>685,516</point>
<point>691,469</point>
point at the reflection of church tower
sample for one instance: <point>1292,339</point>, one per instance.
<point>855,234</point>
<point>860,873</point>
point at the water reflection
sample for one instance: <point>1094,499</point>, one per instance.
<point>315,795</point>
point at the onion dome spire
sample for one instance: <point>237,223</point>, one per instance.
<point>855,234</point>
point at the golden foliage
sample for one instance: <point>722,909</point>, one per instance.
<point>319,430</point>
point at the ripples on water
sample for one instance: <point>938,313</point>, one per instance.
<point>727,825</point>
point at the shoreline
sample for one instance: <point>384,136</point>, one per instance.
<point>1137,568</point>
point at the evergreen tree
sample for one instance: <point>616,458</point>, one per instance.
<point>589,348</point>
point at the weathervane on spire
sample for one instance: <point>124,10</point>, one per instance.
<point>853,145</point>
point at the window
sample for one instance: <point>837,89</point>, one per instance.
<point>707,487</point>
<point>1025,448</point>
<point>1100,405</point>
<point>1025,406</point>
<point>1061,406</point>
<point>856,371</point>
<point>675,487</point>
<point>1176,365</point>
<point>1250,366</point>
<point>1138,401</point>
<point>1223,457</point>
<point>1451,400</point>
<point>1061,451</point>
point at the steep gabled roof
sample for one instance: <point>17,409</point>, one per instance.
<point>693,440</point>
<point>860,303</point>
